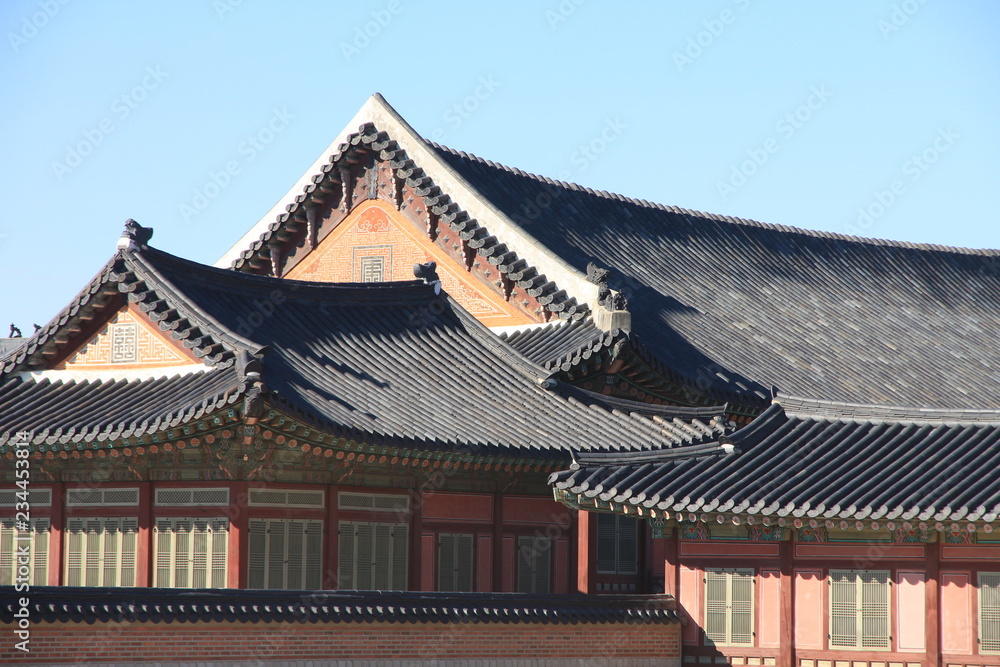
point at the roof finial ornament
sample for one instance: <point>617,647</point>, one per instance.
<point>428,273</point>
<point>614,313</point>
<point>605,297</point>
<point>597,275</point>
<point>135,236</point>
<point>14,331</point>
<point>249,366</point>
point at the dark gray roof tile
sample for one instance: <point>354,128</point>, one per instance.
<point>99,410</point>
<point>736,306</point>
<point>814,458</point>
<point>376,362</point>
<point>65,604</point>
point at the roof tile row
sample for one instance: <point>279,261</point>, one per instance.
<point>814,459</point>
<point>158,605</point>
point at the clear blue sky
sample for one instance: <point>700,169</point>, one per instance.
<point>798,113</point>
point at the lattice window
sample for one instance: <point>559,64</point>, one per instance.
<point>617,539</point>
<point>374,502</point>
<point>534,564</point>
<point>12,543</point>
<point>101,551</point>
<point>285,498</point>
<point>859,609</point>
<point>286,554</point>
<point>373,269</point>
<point>989,612</point>
<point>197,497</point>
<point>373,556</point>
<point>729,606</point>
<point>191,552</point>
<point>104,497</point>
<point>455,554</point>
<point>36,497</point>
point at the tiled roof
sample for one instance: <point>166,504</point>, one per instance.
<point>69,408</point>
<point>562,345</point>
<point>733,305</point>
<point>663,413</point>
<point>107,409</point>
<point>8,345</point>
<point>817,459</point>
<point>382,363</point>
<point>160,605</point>
<point>394,362</point>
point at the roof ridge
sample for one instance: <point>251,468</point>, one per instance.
<point>800,406</point>
<point>463,207</point>
<point>636,458</point>
<point>746,222</point>
<point>666,411</point>
<point>304,287</point>
<point>16,357</point>
<point>533,371</point>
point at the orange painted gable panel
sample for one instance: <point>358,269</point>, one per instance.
<point>128,340</point>
<point>375,242</point>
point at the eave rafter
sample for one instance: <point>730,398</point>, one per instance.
<point>296,434</point>
<point>225,445</point>
<point>808,528</point>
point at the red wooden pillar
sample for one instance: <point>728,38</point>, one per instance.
<point>415,577</point>
<point>671,572</point>
<point>428,542</point>
<point>484,563</point>
<point>508,565</point>
<point>239,535</point>
<point>56,529</point>
<point>144,552</point>
<point>786,631</point>
<point>651,566</point>
<point>331,554</point>
<point>562,581</point>
<point>932,591</point>
<point>584,576</point>
<point>498,563</point>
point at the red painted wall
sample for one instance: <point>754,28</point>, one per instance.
<point>925,606</point>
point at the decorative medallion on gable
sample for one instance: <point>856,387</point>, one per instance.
<point>128,340</point>
<point>375,241</point>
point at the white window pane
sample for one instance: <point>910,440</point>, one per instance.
<point>989,612</point>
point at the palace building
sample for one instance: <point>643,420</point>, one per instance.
<point>434,408</point>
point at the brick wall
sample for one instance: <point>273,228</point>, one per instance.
<point>115,642</point>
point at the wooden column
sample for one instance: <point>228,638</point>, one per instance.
<point>498,542</point>
<point>584,577</point>
<point>239,536</point>
<point>786,654</point>
<point>428,547</point>
<point>671,573</point>
<point>932,591</point>
<point>416,542</point>
<point>57,528</point>
<point>144,551</point>
<point>331,556</point>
